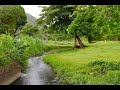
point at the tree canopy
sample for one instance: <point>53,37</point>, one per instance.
<point>11,18</point>
<point>91,21</point>
<point>82,24</point>
<point>56,17</point>
<point>30,30</point>
<point>107,19</point>
<point>96,20</point>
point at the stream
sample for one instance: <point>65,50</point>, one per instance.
<point>38,73</point>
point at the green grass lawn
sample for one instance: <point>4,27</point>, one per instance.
<point>96,64</point>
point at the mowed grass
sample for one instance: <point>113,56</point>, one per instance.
<point>96,64</point>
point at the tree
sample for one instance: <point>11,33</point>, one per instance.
<point>30,30</point>
<point>107,20</point>
<point>23,18</point>
<point>82,24</point>
<point>11,18</point>
<point>56,18</point>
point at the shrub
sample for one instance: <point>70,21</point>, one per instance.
<point>6,49</point>
<point>11,51</point>
<point>102,67</point>
<point>34,45</point>
<point>19,49</point>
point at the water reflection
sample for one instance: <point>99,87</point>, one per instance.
<point>38,73</point>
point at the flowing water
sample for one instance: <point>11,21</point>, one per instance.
<point>38,73</point>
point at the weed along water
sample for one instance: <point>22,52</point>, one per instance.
<point>38,73</point>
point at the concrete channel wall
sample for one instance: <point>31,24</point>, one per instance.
<point>9,73</point>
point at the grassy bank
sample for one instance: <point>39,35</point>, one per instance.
<point>96,64</point>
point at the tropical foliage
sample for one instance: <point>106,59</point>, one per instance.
<point>17,48</point>
<point>12,17</point>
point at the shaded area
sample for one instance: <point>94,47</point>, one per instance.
<point>38,73</point>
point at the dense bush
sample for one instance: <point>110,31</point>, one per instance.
<point>6,49</point>
<point>34,45</point>
<point>103,67</point>
<point>18,49</point>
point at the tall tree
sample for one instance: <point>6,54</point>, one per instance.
<point>82,24</point>
<point>107,20</point>
<point>56,18</point>
<point>11,18</point>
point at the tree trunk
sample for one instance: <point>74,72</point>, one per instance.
<point>89,39</point>
<point>75,42</point>
<point>116,38</point>
<point>81,45</point>
<point>80,42</point>
<point>46,37</point>
<point>17,31</point>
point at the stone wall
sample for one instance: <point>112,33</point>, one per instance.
<point>9,73</point>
